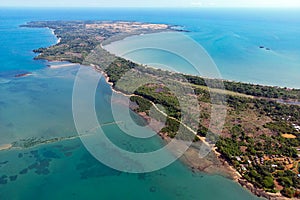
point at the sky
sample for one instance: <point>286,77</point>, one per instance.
<point>150,3</point>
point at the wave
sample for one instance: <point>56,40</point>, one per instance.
<point>4,80</point>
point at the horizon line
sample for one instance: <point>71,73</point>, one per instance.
<point>170,7</point>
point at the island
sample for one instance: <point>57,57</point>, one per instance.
<point>259,145</point>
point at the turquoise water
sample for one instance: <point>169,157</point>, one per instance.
<point>233,41</point>
<point>69,172</point>
<point>231,37</point>
<point>245,62</point>
<point>40,106</point>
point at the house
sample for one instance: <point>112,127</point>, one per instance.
<point>238,158</point>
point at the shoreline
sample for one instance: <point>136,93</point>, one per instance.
<point>62,65</point>
<point>5,147</point>
<point>210,78</point>
<point>209,169</point>
<point>238,178</point>
<point>114,39</point>
<point>234,174</point>
<point>53,33</point>
<point>227,170</point>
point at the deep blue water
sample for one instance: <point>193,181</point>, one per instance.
<point>40,105</point>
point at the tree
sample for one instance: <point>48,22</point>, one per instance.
<point>288,192</point>
<point>268,182</point>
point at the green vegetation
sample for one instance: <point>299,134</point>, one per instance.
<point>252,138</point>
<point>249,89</point>
<point>161,95</point>
<point>118,68</point>
<point>144,105</point>
<point>79,38</point>
<point>265,158</point>
<point>260,154</point>
<point>76,41</point>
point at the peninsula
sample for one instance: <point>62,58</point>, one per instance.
<point>259,145</point>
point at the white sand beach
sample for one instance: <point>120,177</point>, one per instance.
<point>62,65</point>
<point>5,146</point>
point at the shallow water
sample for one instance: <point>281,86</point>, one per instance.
<point>65,169</point>
<point>40,106</point>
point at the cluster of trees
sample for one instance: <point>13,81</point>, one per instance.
<point>261,175</point>
<point>161,95</point>
<point>277,111</point>
<point>290,181</point>
<point>172,126</point>
<point>246,88</point>
<point>144,105</point>
<point>280,127</point>
<point>118,68</point>
<point>262,91</point>
<point>229,148</point>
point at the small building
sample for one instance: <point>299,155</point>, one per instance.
<point>297,127</point>
<point>243,168</point>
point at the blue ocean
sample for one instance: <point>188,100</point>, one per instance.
<point>39,106</point>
